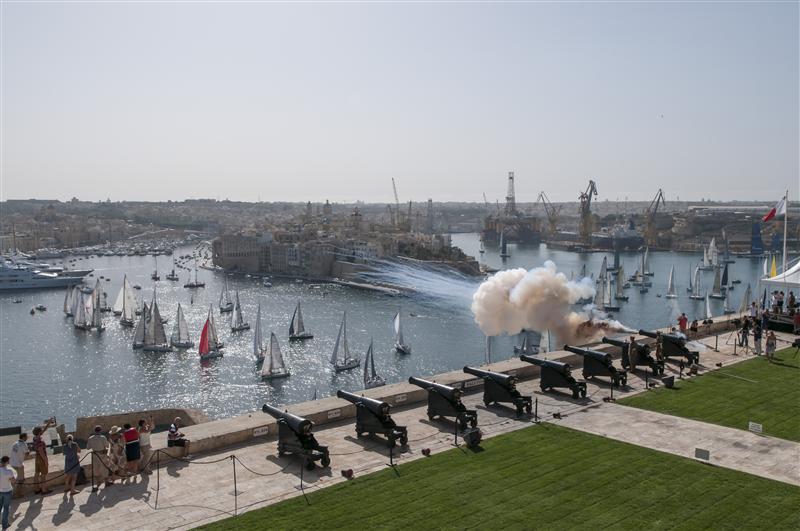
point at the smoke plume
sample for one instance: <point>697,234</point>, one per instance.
<point>540,299</point>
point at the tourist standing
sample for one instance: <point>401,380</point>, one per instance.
<point>791,303</point>
<point>42,463</point>
<point>780,301</point>
<point>765,319</point>
<point>744,333</point>
<point>753,310</point>
<point>757,337</point>
<point>98,444</point>
<point>659,347</point>
<point>72,465</point>
<point>132,448</point>
<point>7,479</point>
<point>19,453</point>
<point>116,453</point>
<point>683,323</point>
<point>772,342</point>
<point>145,429</point>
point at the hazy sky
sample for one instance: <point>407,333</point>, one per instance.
<point>312,101</point>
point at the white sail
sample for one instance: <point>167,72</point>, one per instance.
<point>726,305</point>
<point>607,291</point>
<point>691,283</point>
<point>138,334</point>
<point>76,298</point>
<point>79,314</point>
<point>671,283</point>
<point>258,342</point>
<point>706,261</point>
<point>297,327</point>
<point>238,318</point>
<point>68,302</point>
<point>273,364</point>
<point>713,253</point>
<point>155,335</point>
<point>224,297</point>
<point>342,332</point>
<point>716,290</point>
<point>603,270</point>
<point>398,330</point>
<point>745,305</point>
<point>646,261</point>
<point>620,282</point>
<point>213,340</point>
<point>180,330</point>
<point>129,303</point>
<point>696,287</point>
<point>708,306</point>
<point>97,308</point>
<point>599,296</point>
<point>765,272</point>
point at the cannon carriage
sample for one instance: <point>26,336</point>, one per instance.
<point>673,346</point>
<point>372,416</point>
<point>445,401</point>
<point>295,437</point>
<point>596,363</point>
<point>556,374</point>
<point>501,388</point>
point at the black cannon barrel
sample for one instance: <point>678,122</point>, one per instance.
<point>450,393</point>
<point>376,406</point>
<point>297,424</point>
<point>640,347</point>
<point>555,365</point>
<point>648,333</point>
<point>505,380</point>
<point>603,357</point>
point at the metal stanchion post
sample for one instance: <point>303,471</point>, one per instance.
<point>536,410</point>
<point>235,489</point>
<point>158,475</point>
<point>94,488</point>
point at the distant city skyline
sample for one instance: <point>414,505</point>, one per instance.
<point>297,102</point>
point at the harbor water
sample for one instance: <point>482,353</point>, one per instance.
<point>49,368</point>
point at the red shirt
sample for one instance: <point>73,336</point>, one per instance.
<point>131,435</point>
<point>682,322</point>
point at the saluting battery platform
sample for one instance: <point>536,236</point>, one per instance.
<point>556,374</point>
<point>596,363</point>
<point>295,437</point>
<point>636,355</point>
<point>501,388</point>
<point>372,416</point>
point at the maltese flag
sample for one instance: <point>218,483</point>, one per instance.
<point>777,210</point>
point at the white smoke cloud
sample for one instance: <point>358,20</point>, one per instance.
<point>540,299</point>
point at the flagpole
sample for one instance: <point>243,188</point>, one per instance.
<point>785,226</point>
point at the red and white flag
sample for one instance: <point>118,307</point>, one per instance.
<point>778,210</point>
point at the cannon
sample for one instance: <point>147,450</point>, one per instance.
<point>445,401</point>
<point>641,355</point>
<point>295,437</point>
<point>674,346</point>
<point>596,363</point>
<point>372,416</point>
<point>556,374</point>
<point>499,387</point>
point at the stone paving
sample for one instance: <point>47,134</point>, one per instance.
<point>202,490</point>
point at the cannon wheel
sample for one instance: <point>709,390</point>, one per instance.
<point>474,422</point>
<point>462,424</point>
<point>543,388</point>
<point>430,417</point>
<point>403,440</point>
<point>486,402</point>
<point>576,393</point>
<point>583,393</point>
<point>528,409</point>
<point>310,464</point>
<point>325,461</point>
<point>624,380</point>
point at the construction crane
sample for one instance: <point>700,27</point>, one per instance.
<point>650,231</point>
<point>551,211</point>
<point>391,215</point>
<point>511,202</point>
<point>398,217</point>
<point>486,202</point>
<point>586,213</point>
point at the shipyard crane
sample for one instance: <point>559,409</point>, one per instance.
<point>586,213</point>
<point>486,202</point>
<point>398,217</point>
<point>551,211</point>
<point>650,231</point>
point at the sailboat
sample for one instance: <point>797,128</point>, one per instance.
<point>689,288</point>
<point>297,330</point>
<point>745,304</point>
<point>599,296</point>
<point>343,361</point>
<point>237,322</point>
<point>180,331</point>
<point>126,304</point>
<point>619,294</point>
<point>155,276</point>
<point>97,309</point>
<point>482,248</point>
<point>724,281</point>
<point>646,263</point>
<point>726,255</point>
<point>616,265</point>
<point>225,302</point>
<point>696,285</point>
<point>213,338</point>
<point>716,290</point>
<point>503,246</point>
<point>726,307</point>
<point>710,256</point>
<point>708,307</point>
<point>531,342</point>
<point>606,280</point>
<point>371,378</point>
<point>155,337</point>
<point>68,301</point>
<point>399,343</point>
<point>172,274</point>
<point>81,315</point>
<point>194,284</point>
<point>258,343</point>
<point>765,268</point>
<point>138,334</point>
<point>273,366</point>
<point>671,284</point>
<point>207,348</point>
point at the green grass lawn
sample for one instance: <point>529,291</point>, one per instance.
<point>545,477</point>
<point>721,398</point>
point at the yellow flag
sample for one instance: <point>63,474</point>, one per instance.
<point>773,271</point>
